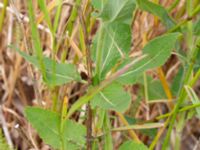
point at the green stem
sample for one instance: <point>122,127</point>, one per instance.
<point>196,11</point>
<point>108,137</point>
<point>146,95</point>
<point>193,14</point>
<point>155,140</point>
<point>179,128</point>
<point>36,39</point>
<point>94,90</point>
<point>196,77</point>
<point>182,95</point>
<point>186,108</point>
<point>54,95</point>
<point>57,17</point>
<point>173,5</point>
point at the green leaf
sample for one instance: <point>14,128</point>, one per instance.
<point>47,124</point>
<point>158,11</point>
<point>118,11</point>
<point>35,37</point>
<point>116,43</point>
<point>112,97</point>
<point>113,40</point>
<point>158,51</point>
<point>155,89</point>
<point>132,145</point>
<point>98,4</point>
<point>64,73</point>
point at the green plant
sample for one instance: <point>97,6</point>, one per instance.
<point>114,69</point>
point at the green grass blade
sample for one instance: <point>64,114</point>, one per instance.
<point>35,37</point>
<point>43,7</point>
<point>57,17</point>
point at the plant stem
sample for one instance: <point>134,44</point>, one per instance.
<point>132,134</point>
<point>183,93</point>
<point>173,5</point>
<point>89,70</point>
<point>108,145</point>
<point>36,39</point>
<point>165,87</point>
<point>158,135</point>
<point>63,116</point>
<point>94,90</point>
<point>89,127</point>
<point>186,108</point>
<point>193,14</point>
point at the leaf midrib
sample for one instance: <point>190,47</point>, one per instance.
<point>138,68</point>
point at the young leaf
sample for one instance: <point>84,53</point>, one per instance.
<point>156,10</point>
<point>98,4</point>
<point>132,145</point>
<point>64,73</point>
<point>113,40</point>
<point>112,97</point>
<point>116,43</point>
<point>158,51</point>
<point>47,124</point>
<point>118,11</point>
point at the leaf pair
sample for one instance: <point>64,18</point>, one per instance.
<point>113,42</point>
<point>158,51</point>
<point>110,45</point>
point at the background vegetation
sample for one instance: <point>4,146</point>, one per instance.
<point>99,74</point>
